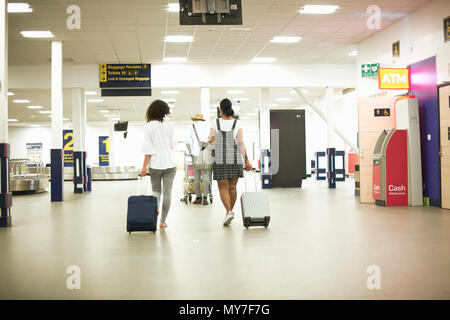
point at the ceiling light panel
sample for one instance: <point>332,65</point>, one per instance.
<point>285,39</point>
<point>19,8</point>
<point>179,39</point>
<point>318,9</point>
<point>37,34</point>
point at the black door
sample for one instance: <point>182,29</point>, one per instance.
<point>292,147</point>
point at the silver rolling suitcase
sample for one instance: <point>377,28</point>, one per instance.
<point>255,207</point>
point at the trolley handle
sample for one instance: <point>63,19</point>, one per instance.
<point>254,178</point>
<point>139,183</point>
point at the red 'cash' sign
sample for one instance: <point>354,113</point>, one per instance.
<point>397,170</point>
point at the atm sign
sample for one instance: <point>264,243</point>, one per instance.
<point>393,78</point>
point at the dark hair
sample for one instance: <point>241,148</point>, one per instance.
<point>157,110</point>
<point>227,107</point>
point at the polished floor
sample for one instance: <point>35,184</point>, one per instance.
<point>319,246</point>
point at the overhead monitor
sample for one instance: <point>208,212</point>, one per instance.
<point>210,12</point>
<point>121,126</point>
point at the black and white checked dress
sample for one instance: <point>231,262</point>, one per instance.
<point>228,162</point>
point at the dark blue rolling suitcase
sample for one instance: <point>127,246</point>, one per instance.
<point>142,212</point>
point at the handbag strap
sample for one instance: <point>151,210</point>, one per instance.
<point>196,134</point>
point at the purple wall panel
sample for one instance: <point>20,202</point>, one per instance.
<point>424,86</point>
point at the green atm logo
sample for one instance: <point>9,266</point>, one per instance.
<point>370,70</point>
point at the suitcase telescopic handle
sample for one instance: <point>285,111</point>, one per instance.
<point>139,182</point>
<point>254,178</point>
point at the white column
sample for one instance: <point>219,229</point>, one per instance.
<point>205,102</point>
<point>264,119</point>
<point>77,107</point>
<point>76,119</point>
<point>329,101</point>
<point>111,141</point>
<point>83,119</point>
<point>57,95</point>
<point>3,72</point>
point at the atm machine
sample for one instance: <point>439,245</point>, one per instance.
<point>390,168</point>
<point>397,169</point>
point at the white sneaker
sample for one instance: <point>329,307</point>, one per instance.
<point>228,218</point>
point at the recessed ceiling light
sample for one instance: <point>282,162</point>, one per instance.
<point>95,100</point>
<point>170,92</point>
<point>66,119</point>
<point>11,94</point>
<point>45,112</point>
<point>239,29</point>
<point>12,120</point>
<point>21,101</point>
<point>283,99</point>
<point>37,34</point>
<point>35,107</point>
<point>283,39</point>
<point>353,53</point>
<point>91,93</point>
<point>264,59</point>
<point>318,9</point>
<point>175,59</point>
<point>235,91</point>
<point>173,7</point>
<point>179,39</point>
<point>19,8</point>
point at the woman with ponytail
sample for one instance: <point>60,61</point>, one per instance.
<point>230,156</point>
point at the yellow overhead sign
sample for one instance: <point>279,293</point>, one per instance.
<point>393,78</point>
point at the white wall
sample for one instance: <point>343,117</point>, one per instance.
<point>421,37</point>
<point>196,76</point>
<point>20,136</point>
<point>316,129</point>
<point>128,151</point>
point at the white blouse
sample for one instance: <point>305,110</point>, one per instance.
<point>226,125</point>
<point>160,143</point>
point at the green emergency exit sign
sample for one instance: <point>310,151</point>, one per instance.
<point>370,70</point>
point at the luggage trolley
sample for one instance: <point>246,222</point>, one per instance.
<point>189,181</point>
